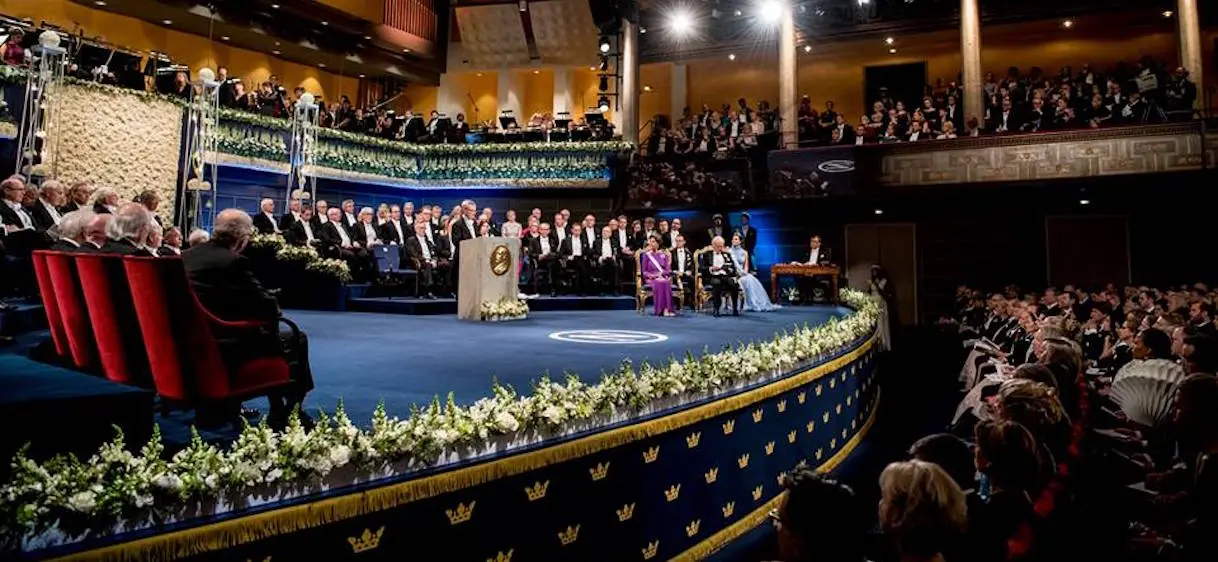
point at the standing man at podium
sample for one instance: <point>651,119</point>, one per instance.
<point>462,230</point>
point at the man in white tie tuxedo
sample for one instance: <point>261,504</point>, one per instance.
<point>543,253</point>
<point>432,268</point>
<point>45,211</point>
<point>395,230</point>
<point>748,234</point>
<point>349,219</point>
<point>606,254</point>
<point>304,231</point>
<point>682,264</point>
<point>560,230</point>
<point>589,229</point>
<point>265,221</point>
<point>575,253</point>
<point>817,255</point>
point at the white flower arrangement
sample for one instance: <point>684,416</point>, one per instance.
<point>273,242</point>
<point>332,267</point>
<point>504,310</point>
<point>117,485</point>
<point>297,253</point>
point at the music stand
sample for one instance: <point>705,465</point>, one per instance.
<point>562,120</point>
<point>594,118</point>
<point>508,122</point>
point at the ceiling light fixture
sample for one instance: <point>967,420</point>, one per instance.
<point>100,2</point>
<point>274,6</point>
<point>324,22</point>
<point>771,11</point>
<point>367,38</point>
<point>275,52</point>
<point>807,48</point>
<point>603,104</point>
<point>524,5</point>
<point>224,38</point>
<point>1168,13</point>
<point>892,51</point>
<point>879,211</point>
<point>890,40</point>
<point>647,88</point>
<point>681,23</point>
<point>536,72</point>
<point>362,76</point>
<point>642,29</point>
<point>1068,24</point>
<point>731,56</point>
<point>1084,201</point>
<point>167,22</point>
<point>604,44</point>
<point>405,50</point>
<point>321,65</point>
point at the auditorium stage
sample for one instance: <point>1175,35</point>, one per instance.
<point>365,357</point>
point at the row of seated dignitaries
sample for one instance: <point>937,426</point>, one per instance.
<point>221,278</point>
<point>577,257</point>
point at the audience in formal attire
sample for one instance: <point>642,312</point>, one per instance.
<point>719,275</point>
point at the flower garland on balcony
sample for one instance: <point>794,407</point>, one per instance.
<point>69,496</point>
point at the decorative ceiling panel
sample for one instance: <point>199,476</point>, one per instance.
<point>564,31</point>
<point>493,36</point>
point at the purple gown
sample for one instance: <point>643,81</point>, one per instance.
<point>658,276</point>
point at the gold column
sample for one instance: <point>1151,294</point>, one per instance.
<point>787,70</point>
<point>970,54</point>
<point>1189,23</point>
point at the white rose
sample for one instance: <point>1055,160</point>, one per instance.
<point>340,455</point>
<point>273,475</point>
<point>506,423</point>
<point>167,481</point>
<point>211,481</point>
<point>83,502</point>
<point>552,414</point>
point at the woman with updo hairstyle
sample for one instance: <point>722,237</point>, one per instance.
<point>1036,407</point>
<point>922,510</point>
<point>1008,458</point>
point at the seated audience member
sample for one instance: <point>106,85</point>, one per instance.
<point>1008,458</point>
<point>545,256</point>
<point>337,242</point>
<point>13,214</point>
<point>265,221</point>
<point>395,231</point>
<point>953,454</point>
<point>171,242</point>
<point>922,510</point>
<point>291,217</point>
<point>656,274</point>
<point>78,197</point>
<point>1152,343</point>
<point>104,200</point>
<point>576,261</point>
<point>432,267</point>
<point>129,230</point>
<point>226,286</point>
<point>365,230</point>
<point>320,214</point>
<point>95,232</point>
<point>45,210</point>
<point>151,201</point>
<point>71,230</point>
<point>304,231</point>
<point>819,519</point>
<point>718,273</point>
<point>683,265</point>
<point>605,252</point>
<point>197,236</point>
<point>1196,425</point>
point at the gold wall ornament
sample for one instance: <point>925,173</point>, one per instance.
<point>569,536</point>
<point>729,426</point>
<point>769,448</point>
<point>537,490</point>
<point>501,260</point>
<point>673,492</point>
<point>743,461</point>
<point>626,512</point>
<point>833,443</point>
<point>811,426</point>
<point>692,528</point>
<point>757,415</point>
<point>820,453</point>
<point>791,436</point>
<point>802,397</point>
<point>782,405</point>
<point>711,475</point>
<point>757,493</point>
<point>728,509</point>
<point>650,455</point>
<point>819,389</point>
<point>365,542</point>
<point>600,472</point>
<point>693,439</point>
<point>650,551</point>
<point>461,514</point>
<point>502,556</point>
<point>837,409</point>
<point>824,417</point>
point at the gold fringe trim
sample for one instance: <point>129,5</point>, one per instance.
<point>717,541</point>
<point>242,530</point>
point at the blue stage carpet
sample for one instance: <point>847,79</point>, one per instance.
<point>364,357</point>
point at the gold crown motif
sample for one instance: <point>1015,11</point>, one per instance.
<point>502,557</point>
<point>782,406</point>
<point>692,439</point>
<point>626,512</point>
<point>757,493</point>
<point>820,453</point>
<point>811,426</point>
<point>692,528</point>
<point>728,509</point>
<point>600,472</point>
<point>650,455</point>
<point>819,389</point>
<point>843,377</point>
<point>849,400</point>
<point>833,443</point>
<point>837,409</point>
<point>267,559</point>
<point>843,433</point>
<point>802,397</point>
<point>791,436</point>
<point>650,551</point>
<point>461,514</point>
<point>832,383</point>
<point>365,542</point>
<point>757,415</point>
<point>537,490</point>
<point>853,368</point>
<point>853,424</point>
<point>712,475</point>
<point>856,393</point>
<point>567,537</point>
<point>825,417</point>
<point>769,448</point>
<point>743,461</point>
<point>672,492</point>
<point>729,426</point>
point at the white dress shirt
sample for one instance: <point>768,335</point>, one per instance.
<point>681,262</point>
<point>349,219</point>
<point>308,228</point>
<point>621,238</point>
<point>26,222</point>
<point>561,233</point>
<point>606,249</point>
<point>577,249</point>
<point>51,210</point>
<point>274,222</point>
<point>672,238</point>
<point>426,247</point>
<point>397,225</point>
<point>717,264</point>
<point>342,233</point>
<point>545,245</point>
<point>814,256</point>
<point>369,233</point>
<point>590,236</point>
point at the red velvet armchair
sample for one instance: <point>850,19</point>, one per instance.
<point>73,310</point>
<point>50,304</point>
<point>180,337</point>
<point>115,326</point>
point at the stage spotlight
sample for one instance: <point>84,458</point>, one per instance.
<point>1168,13</point>
<point>770,11</point>
<point>879,211</point>
<point>604,63</point>
<point>642,29</point>
<point>1068,24</point>
<point>681,23</point>
<point>604,83</point>
<point>807,48</point>
<point>646,88</point>
<point>604,46</point>
<point>603,104</point>
<point>731,56</point>
<point>1084,201</point>
<point>890,40</point>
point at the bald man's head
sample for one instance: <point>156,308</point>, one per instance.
<point>233,229</point>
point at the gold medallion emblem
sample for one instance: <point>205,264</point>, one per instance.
<point>501,260</point>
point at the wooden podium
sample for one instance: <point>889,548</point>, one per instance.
<point>488,273</point>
